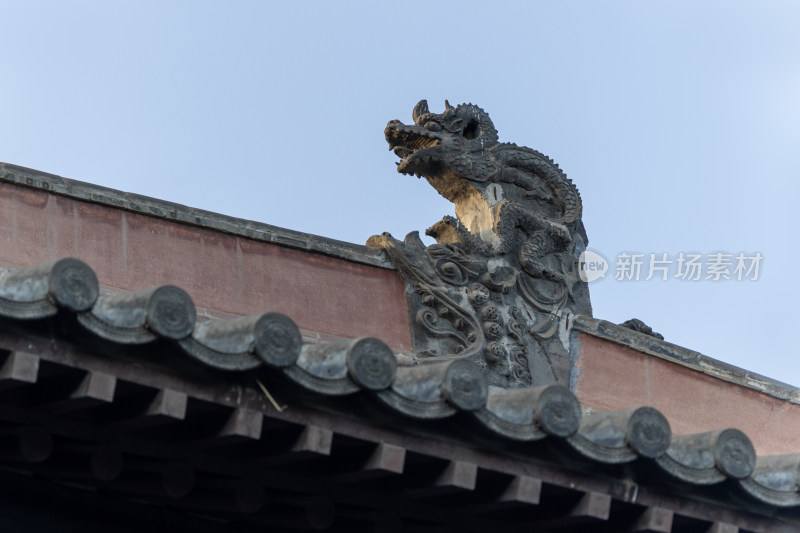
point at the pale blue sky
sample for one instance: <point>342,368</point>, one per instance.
<point>677,120</point>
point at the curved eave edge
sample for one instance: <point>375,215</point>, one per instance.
<point>346,367</point>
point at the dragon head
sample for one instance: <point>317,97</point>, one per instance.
<point>451,151</point>
<point>431,146</point>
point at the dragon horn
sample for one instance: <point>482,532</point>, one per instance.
<point>447,106</point>
<point>419,110</point>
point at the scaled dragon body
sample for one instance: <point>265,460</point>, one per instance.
<point>516,239</point>
<point>498,189</point>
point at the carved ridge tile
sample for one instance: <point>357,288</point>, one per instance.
<point>502,278</point>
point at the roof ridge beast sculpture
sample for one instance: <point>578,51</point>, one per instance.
<point>501,282</point>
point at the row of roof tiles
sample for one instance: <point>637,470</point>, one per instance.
<point>428,391</point>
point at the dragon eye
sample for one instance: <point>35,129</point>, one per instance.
<point>433,126</point>
<point>472,131</point>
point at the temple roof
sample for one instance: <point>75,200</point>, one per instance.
<point>110,386</point>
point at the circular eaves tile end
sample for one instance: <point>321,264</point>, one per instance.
<point>73,285</point>
<point>171,313</point>
<point>465,386</point>
<point>649,434</point>
<point>277,340</point>
<point>372,364</point>
<point>734,454</point>
<point>558,411</point>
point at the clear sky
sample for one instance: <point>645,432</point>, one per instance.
<point>678,120</point>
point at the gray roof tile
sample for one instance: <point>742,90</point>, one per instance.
<point>272,343</point>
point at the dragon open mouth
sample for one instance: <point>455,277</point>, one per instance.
<point>409,143</point>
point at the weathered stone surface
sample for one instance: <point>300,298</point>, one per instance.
<point>501,280</point>
<point>637,325</point>
<point>142,316</point>
<point>40,290</point>
<point>710,457</point>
